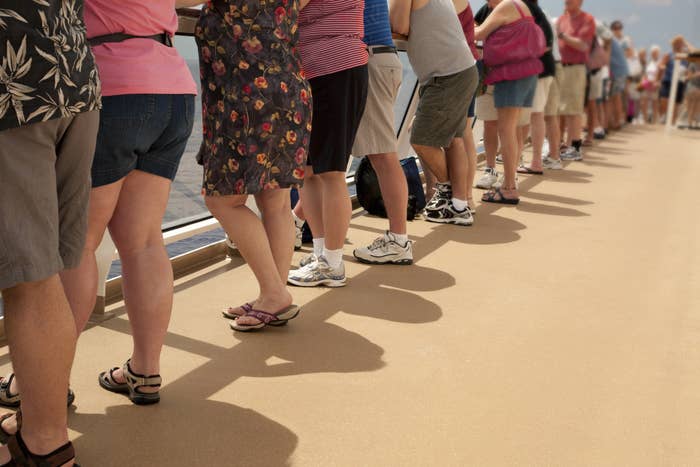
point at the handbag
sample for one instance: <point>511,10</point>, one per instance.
<point>369,195</point>
<point>597,58</point>
<point>513,51</point>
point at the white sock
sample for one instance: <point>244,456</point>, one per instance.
<point>401,239</point>
<point>296,218</point>
<point>459,205</point>
<point>319,246</point>
<point>334,257</point>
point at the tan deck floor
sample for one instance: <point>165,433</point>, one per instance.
<point>564,332</point>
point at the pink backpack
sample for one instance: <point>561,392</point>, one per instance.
<point>513,51</point>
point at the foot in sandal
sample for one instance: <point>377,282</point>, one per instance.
<point>501,196</point>
<point>15,451</point>
<point>255,319</point>
<point>141,389</point>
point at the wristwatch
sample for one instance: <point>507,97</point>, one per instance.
<point>560,35</point>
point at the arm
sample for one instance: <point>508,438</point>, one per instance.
<point>400,16</point>
<point>495,20</point>
<point>582,44</point>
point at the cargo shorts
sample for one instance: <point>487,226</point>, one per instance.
<point>44,193</point>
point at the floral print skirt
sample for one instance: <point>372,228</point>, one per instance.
<point>256,103</point>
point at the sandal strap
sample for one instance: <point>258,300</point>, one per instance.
<point>22,456</point>
<point>136,381</point>
<point>262,316</point>
<point>109,376</point>
<point>5,394</point>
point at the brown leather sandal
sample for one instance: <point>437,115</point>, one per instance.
<point>22,456</point>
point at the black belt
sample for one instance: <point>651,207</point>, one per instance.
<point>382,49</point>
<point>572,64</point>
<point>163,38</point>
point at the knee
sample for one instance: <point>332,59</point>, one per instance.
<point>217,205</point>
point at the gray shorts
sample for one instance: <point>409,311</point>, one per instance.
<point>443,107</point>
<point>44,193</point>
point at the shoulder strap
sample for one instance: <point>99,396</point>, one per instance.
<point>520,10</point>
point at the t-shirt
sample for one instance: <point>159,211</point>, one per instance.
<point>618,61</point>
<point>466,18</point>
<point>330,36</point>
<point>582,26</point>
<point>40,80</point>
<point>377,26</point>
<point>137,66</point>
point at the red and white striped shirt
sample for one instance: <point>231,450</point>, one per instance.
<point>330,36</point>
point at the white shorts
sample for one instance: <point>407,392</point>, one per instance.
<point>541,94</point>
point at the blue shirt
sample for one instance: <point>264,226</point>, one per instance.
<point>618,61</point>
<point>377,27</point>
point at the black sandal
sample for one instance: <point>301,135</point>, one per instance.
<point>496,196</point>
<point>132,386</point>
<point>12,401</point>
<point>22,456</point>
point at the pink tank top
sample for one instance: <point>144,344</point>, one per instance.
<point>137,66</point>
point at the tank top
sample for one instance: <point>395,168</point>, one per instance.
<point>436,43</point>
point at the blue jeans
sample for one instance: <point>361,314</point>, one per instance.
<point>146,132</point>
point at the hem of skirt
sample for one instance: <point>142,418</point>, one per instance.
<point>216,193</point>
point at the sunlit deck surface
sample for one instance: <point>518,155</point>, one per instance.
<point>564,332</point>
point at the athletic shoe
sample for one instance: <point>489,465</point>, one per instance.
<point>298,231</point>
<point>318,273</point>
<point>599,133</point>
<point>443,193</point>
<point>308,259</point>
<point>449,215</point>
<point>571,154</point>
<point>499,159</point>
<point>385,250</point>
<point>488,179</point>
<point>552,164</point>
<point>545,148</point>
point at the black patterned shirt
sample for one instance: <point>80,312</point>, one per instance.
<point>46,67</point>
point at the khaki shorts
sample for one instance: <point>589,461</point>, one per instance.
<point>551,109</point>
<point>541,94</point>
<point>486,110</point>
<point>44,193</point>
<point>376,134</point>
<point>595,86</point>
<point>573,90</point>
<point>442,110</point>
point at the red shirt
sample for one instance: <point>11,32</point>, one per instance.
<point>330,36</point>
<point>466,18</point>
<point>581,26</point>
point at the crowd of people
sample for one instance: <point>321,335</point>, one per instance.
<point>96,108</point>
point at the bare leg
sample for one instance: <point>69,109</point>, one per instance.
<point>337,209</point>
<point>523,132</point>
<point>538,131</point>
<point>458,168</point>
<point>470,147</point>
<point>434,159</point>
<point>573,125</point>
<point>248,231</point>
<point>392,183</point>
<point>279,226</point>
<point>430,181</point>
<point>147,274</point>
<point>80,283</point>
<point>312,194</point>
<point>41,334</point>
<point>508,133</point>
<point>553,136</point>
<point>491,142</point>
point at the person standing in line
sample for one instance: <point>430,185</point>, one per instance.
<point>576,31</point>
<point>446,71</point>
<point>650,86</point>
<point>48,129</point>
<point>257,122</point>
<point>544,83</point>
<point>551,158</point>
<point>334,58</point>
<point>668,63</point>
<point>466,19</point>
<point>619,71</point>
<point>376,138</point>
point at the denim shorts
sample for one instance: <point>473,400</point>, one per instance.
<point>146,132</point>
<point>518,93</point>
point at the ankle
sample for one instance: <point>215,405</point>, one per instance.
<point>45,440</point>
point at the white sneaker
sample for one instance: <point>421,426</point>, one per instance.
<point>449,215</point>
<point>487,180</point>
<point>443,193</point>
<point>572,154</point>
<point>552,164</point>
<point>318,273</point>
<point>545,148</point>
<point>298,231</point>
<point>385,250</point>
<point>499,158</point>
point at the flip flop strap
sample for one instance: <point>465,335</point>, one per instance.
<point>262,316</point>
<point>136,381</point>
<point>22,456</point>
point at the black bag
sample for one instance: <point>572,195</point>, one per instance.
<point>369,194</point>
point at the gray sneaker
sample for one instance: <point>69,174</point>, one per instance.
<point>385,250</point>
<point>552,164</point>
<point>318,273</point>
<point>308,259</point>
<point>571,154</point>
